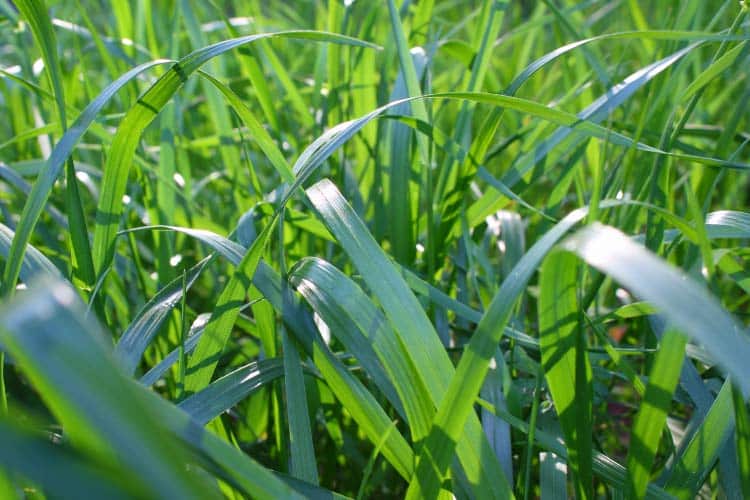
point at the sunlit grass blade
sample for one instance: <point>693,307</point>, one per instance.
<point>194,334</point>
<point>458,402</point>
<point>46,180</point>
<point>365,332</point>
<point>699,456</point>
<point>207,353</point>
<point>354,396</point>
<point>683,302</point>
<point>652,416</point>
<point>566,364</point>
<point>259,134</point>
<point>413,327</point>
<point>552,477</point>
<point>230,389</point>
<point>149,105</point>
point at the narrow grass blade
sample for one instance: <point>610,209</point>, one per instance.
<point>146,324</point>
<point>204,359</point>
<point>230,389</point>
<point>363,329</point>
<point>352,394</point>
<point>35,13</point>
<point>259,134</point>
<point>657,400</point>
<point>196,330</point>
<point>604,467</point>
<point>458,402</point>
<point>566,365</point>
<point>302,454</point>
<point>742,439</point>
<point>699,456</point>
<point>683,302</point>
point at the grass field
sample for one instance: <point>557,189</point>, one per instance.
<point>374,249</point>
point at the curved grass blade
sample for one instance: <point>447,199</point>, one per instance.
<point>325,145</point>
<point>68,360</point>
<point>685,36</point>
<point>683,302</point>
<point>728,224</point>
<point>140,116</point>
<point>207,353</point>
<point>146,324</point>
<point>566,365</point>
<point>362,328</point>
<point>230,389</point>
<point>259,134</point>
<point>196,330</point>
<point>414,329</point>
<point>359,402</point>
<point>458,402</point>
<point>58,469</point>
<point>33,262</point>
<point>46,180</point>
<point>352,394</point>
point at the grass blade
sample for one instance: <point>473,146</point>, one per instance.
<point>680,300</point>
<point>652,416</point>
<point>699,456</point>
<point>140,116</point>
<point>414,329</point>
<point>146,324</point>
<point>566,365</point>
<point>302,455</point>
<point>60,154</point>
<point>230,389</point>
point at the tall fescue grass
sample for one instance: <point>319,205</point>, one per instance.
<point>374,249</point>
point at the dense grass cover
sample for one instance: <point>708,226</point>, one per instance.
<point>374,249</point>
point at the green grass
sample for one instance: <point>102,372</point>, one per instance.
<point>374,249</point>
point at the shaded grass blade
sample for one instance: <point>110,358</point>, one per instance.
<point>302,454</point>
